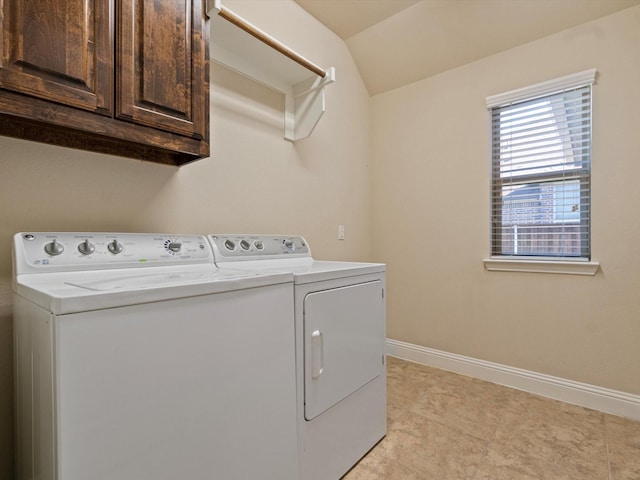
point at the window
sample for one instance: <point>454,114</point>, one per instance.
<point>541,170</point>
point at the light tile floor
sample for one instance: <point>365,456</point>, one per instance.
<point>443,426</point>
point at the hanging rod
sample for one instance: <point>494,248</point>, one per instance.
<point>266,38</point>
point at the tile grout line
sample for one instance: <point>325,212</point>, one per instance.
<point>606,445</point>
<point>489,441</point>
<point>406,410</point>
<point>484,454</point>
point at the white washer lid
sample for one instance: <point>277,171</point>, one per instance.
<point>71,292</point>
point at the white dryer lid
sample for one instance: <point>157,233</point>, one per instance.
<point>320,270</point>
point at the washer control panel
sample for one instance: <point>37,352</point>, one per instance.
<point>60,251</point>
<point>257,247</point>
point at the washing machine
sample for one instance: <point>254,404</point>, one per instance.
<point>137,358</point>
<point>340,335</point>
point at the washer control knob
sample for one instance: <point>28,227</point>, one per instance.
<point>245,245</point>
<point>289,245</point>
<point>115,247</point>
<point>175,247</point>
<point>54,248</point>
<point>229,245</point>
<point>258,244</point>
<point>86,247</point>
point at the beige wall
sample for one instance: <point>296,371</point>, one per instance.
<point>430,144</point>
<point>254,180</point>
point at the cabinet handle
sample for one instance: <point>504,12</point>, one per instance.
<point>317,354</point>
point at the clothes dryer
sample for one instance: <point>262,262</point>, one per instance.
<point>136,358</point>
<point>340,335</point>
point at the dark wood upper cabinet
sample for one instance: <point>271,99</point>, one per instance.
<point>62,53</point>
<point>124,77</point>
<point>160,55</point>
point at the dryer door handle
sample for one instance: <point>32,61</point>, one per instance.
<point>317,354</point>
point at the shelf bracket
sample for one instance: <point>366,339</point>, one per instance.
<point>244,48</point>
<point>305,105</point>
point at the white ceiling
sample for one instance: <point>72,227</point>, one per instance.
<point>397,42</point>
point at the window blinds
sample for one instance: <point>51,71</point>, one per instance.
<point>541,164</point>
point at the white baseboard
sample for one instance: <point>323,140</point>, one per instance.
<point>590,396</point>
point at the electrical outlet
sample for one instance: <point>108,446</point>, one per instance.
<point>340,232</point>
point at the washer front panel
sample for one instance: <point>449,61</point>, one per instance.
<point>167,390</point>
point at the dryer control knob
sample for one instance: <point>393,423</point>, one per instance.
<point>175,246</point>
<point>54,248</point>
<point>289,245</point>
<point>245,245</point>
<point>115,247</point>
<point>86,247</point>
<point>229,245</point>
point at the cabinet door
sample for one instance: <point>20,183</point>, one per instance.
<point>162,70</point>
<point>59,50</point>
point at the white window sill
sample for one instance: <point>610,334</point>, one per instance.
<point>540,266</point>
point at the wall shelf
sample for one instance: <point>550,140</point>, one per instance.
<point>244,48</point>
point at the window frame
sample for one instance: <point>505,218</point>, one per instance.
<point>582,265</point>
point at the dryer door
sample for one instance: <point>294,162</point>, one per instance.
<point>344,343</point>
